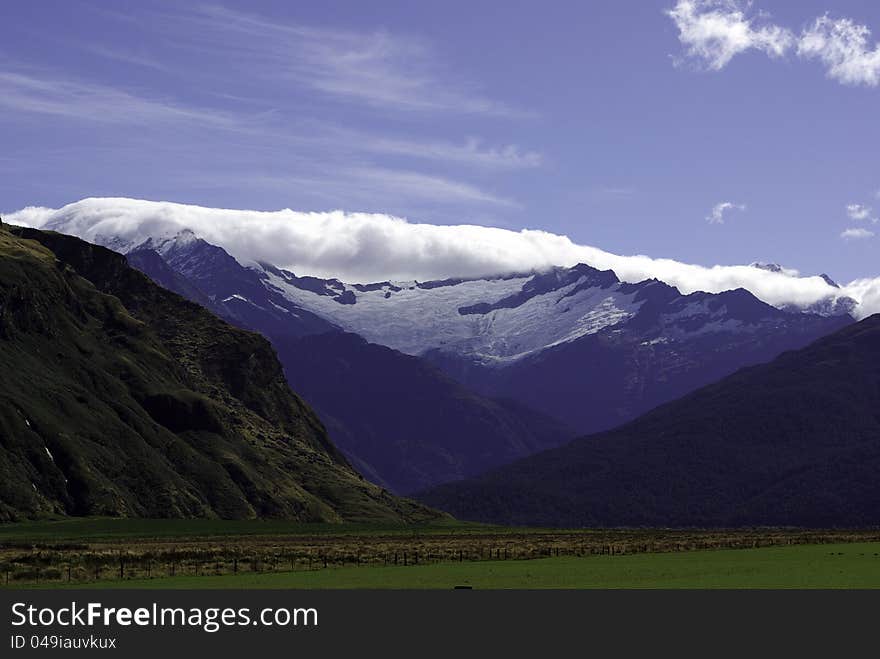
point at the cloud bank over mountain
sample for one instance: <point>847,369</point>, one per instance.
<point>362,247</point>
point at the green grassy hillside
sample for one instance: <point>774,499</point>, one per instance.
<point>119,398</point>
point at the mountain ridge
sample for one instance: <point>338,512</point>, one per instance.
<point>794,442</point>
<point>121,398</point>
<point>548,340</point>
<point>418,428</point>
<point>544,339</point>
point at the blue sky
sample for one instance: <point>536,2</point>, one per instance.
<point>610,122</point>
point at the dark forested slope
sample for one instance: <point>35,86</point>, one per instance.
<point>792,442</point>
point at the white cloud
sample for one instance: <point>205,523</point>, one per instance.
<point>714,31</point>
<point>858,211</point>
<point>371,185</point>
<point>381,69</point>
<point>867,292</point>
<point>373,247</point>
<point>615,192</point>
<point>718,211</point>
<point>94,103</point>
<point>127,57</point>
<point>472,152</point>
<point>73,99</point>
<point>842,46</point>
<point>856,234</point>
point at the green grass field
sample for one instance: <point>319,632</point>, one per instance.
<point>135,553</point>
<point>855,565</point>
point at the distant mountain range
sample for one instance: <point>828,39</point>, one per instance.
<point>574,344</point>
<point>795,442</point>
<point>485,370</point>
<point>666,345</point>
<point>120,398</point>
<point>401,421</point>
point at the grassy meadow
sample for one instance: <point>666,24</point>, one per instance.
<point>854,565</point>
<point>142,553</point>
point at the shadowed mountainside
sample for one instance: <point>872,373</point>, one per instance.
<point>671,346</point>
<point>404,423</point>
<point>121,398</point>
<point>793,442</point>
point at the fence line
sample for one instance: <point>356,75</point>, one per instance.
<point>46,566</point>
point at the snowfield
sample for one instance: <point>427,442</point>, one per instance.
<point>415,319</point>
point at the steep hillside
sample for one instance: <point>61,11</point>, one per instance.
<point>121,398</point>
<point>401,421</point>
<point>794,442</point>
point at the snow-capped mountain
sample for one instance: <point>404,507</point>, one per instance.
<point>498,321</point>
<point>574,343</point>
<point>670,345</point>
<point>402,422</point>
<point>546,338</point>
<point>207,274</point>
<point>494,320</point>
<point>363,247</point>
